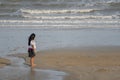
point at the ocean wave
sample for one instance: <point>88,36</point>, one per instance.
<point>63,14</point>
<point>38,14</point>
<point>58,3</point>
<point>114,5</point>
<point>10,4</point>
<point>30,11</point>
<point>73,17</point>
<point>29,22</point>
<point>46,9</point>
<point>59,24</point>
<point>27,16</point>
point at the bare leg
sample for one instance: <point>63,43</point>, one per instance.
<point>32,62</point>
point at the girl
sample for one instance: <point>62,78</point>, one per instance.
<point>31,48</point>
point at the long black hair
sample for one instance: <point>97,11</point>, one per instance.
<point>31,37</point>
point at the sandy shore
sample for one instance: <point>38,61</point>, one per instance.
<point>88,63</point>
<point>4,62</point>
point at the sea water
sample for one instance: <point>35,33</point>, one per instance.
<point>14,40</point>
<point>58,23</point>
<point>67,14</point>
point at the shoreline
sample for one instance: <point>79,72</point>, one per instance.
<point>81,63</point>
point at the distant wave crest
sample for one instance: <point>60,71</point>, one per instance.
<point>30,11</point>
<point>36,14</point>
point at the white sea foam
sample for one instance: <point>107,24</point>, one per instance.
<point>71,17</point>
<point>39,14</point>
<point>50,21</point>
<point>69,24</point>
<point>60,13</point>
<point>54,11</point>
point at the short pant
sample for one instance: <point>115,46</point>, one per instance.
<point>31,52</point>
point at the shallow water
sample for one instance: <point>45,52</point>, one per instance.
<point>14,40</point>
<point>18,71</point>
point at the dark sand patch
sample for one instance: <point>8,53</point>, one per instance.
<point>4,62</point>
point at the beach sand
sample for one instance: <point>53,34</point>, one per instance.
<point>88,63</point>
<point>4,62</point>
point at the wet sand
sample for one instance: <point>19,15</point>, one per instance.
<point>88,63</point>
<point>17,70</point>
<point>4,62</point>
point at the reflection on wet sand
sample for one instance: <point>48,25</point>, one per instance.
<point>32,74</point>
<point>18,71</point>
